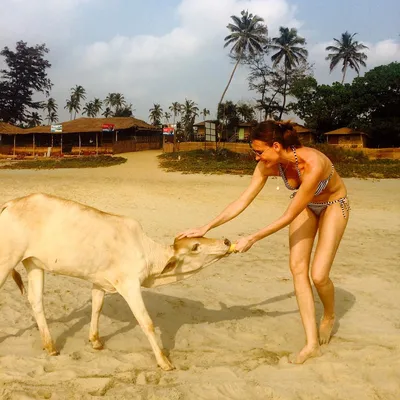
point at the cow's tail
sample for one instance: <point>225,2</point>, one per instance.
<point>18,280</point>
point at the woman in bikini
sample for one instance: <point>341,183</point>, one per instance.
<point>319,203</point>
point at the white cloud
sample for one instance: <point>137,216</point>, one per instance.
<point>188,61</point>
<point>182,62</point>
<point>37,20</point>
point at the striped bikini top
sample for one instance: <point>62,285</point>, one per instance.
<point>321,185</point>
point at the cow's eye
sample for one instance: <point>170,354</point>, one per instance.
<point>195,247</point>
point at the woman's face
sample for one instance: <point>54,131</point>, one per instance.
<point>267,154</point>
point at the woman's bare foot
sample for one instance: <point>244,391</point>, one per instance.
<point>306,353</point>
<point>325,329</point>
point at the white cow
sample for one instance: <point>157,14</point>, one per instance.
<point>47,233</point>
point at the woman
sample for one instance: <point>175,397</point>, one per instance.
<point>319,204</point>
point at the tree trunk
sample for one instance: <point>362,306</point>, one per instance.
<point>284,95</point>
<point>230,79</point>
<point>344,73</point>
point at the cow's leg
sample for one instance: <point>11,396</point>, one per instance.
<point>35,297</point>
<point>133,295</point>
<point>97,305</point>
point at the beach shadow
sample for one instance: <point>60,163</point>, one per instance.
<point>344,301</point>
<point>170,313</point>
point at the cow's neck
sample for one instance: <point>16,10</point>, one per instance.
<point>158,256</point>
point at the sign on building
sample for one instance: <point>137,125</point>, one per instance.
<point>168,130</point>
<point>56,128</point>
<point>211,129</point>
<point>107,127</point>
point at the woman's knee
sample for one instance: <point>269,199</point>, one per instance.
<point>299,268</point>
<point>320,279</point>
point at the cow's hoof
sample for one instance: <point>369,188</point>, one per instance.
<point>166,365</point>
<point>97,345</point>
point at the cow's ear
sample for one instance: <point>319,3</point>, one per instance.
<point>171,264</point>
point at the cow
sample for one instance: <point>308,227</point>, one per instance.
<point>49,233</point>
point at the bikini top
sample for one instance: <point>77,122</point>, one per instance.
<point>321,185</point>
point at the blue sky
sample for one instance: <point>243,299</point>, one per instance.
<point>165,51</point>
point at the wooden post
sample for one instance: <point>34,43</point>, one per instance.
<point>52,140</point>
<point>97,144</point>
<point>80,143</point>
<point>33,145</point>
<point>15,139</point>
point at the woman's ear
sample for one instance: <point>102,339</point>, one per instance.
<point>277,147</point>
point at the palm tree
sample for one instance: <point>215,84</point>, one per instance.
<point>189,112</point>
<point>175,108</point>
<point>248,36</point>
<point>52,117</point>
<point>205,112</point>
<point>34,119</point>
<point>348,51</point>
<point>89,109</point>
<point>115,100</point>
<point>245,112</point>
<point>51,107</point>
<point>124,111</point>
<point>290,52</point>
<point>167,116</point>
<point>156,114</point>
<point>78,93</point>
<point>97,105</point>
<point>70,106</point>
<point>107,112</point>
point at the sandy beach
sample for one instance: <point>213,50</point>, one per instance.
<point>230,328</point>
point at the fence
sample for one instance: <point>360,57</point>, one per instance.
<point>139,143</point>
<point>388,153</point>
<point>188,146</point>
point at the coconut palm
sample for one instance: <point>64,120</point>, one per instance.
<point>348,51</point>
<point>51,107</point>
<point>245,112</point>
<point>97,105</point>
<point>205,112</point>
<point>167,116</point>
<point>52,117</point>
<point>115,100</point>
<point>89,109</point>
<point>107,112</point>
<point>78,93</point>
<point>156,114</point>
<point>124,111</point>
<point>34,119</point>
<point>175,108</point>
<point>189,111</point>
<point>70,106</point>
<point>290,52</point>
<point>248,36</point>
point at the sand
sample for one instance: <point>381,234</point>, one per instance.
<point>229,329</point>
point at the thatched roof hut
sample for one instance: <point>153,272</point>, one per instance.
<point>82,125</point>
<point>79,134</point>
<point>8,129</point>
<point>347,137</point>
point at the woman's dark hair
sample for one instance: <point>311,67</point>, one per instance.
<point>274,131</point>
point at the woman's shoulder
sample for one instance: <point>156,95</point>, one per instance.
<point>265,171</point>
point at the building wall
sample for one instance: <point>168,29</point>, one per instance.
<point>353,141</point>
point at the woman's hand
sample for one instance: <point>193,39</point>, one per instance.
<point>244,244</point>
<point>194,232</point>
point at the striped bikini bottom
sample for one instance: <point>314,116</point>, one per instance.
<point>317,208</point>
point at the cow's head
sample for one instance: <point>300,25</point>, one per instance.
<point>190,255</point>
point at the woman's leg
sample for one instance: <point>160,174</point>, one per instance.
<point>302,233</point>
<point>332,225</point>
